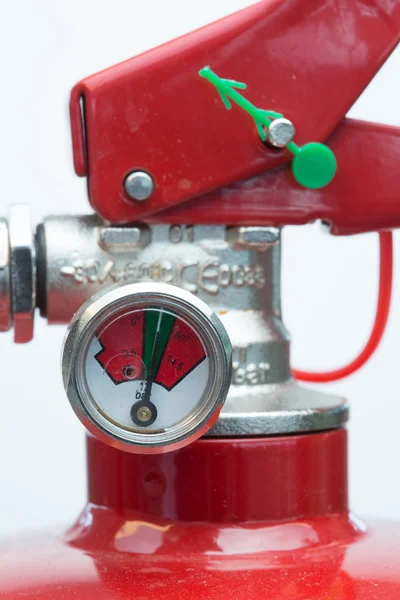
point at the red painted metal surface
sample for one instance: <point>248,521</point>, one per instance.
<point>226,480</point>
<point>315,559</point>
<point>154,112</point>
<point>126,546</point>
<point>363,196</point>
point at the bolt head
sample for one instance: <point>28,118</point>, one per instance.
<point>281,132</point>
<point>139,186</point>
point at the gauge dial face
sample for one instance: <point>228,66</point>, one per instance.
<point>147,369</point>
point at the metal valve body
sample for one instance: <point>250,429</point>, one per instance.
<point>236,271</point>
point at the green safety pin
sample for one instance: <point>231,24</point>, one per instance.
<point>314,164</point>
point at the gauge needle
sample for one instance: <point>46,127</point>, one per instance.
<point>149,414</point>
<point>151,375</point>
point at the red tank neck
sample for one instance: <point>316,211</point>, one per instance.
<point>226,480</point>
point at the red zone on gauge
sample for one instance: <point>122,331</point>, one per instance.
<point>128,343</point>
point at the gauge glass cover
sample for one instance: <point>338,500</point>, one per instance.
<point>147,367</point>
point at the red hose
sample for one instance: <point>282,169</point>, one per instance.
<point>381,318</point>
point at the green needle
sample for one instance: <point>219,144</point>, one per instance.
<point>152,325</point>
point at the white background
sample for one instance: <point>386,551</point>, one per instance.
<point>329,284</point>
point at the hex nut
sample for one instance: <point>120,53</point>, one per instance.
<point>5,284</point>
<point>23,272</point>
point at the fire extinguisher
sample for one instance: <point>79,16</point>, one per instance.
<point>212,472</point>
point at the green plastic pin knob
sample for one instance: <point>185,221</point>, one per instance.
<point>314,165</point>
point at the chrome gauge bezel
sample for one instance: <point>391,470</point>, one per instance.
<point>100,309</point>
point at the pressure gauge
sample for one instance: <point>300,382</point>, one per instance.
<point>146,367</point>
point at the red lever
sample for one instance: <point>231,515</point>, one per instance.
<point>307,59</point>
<point>364,195</point>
